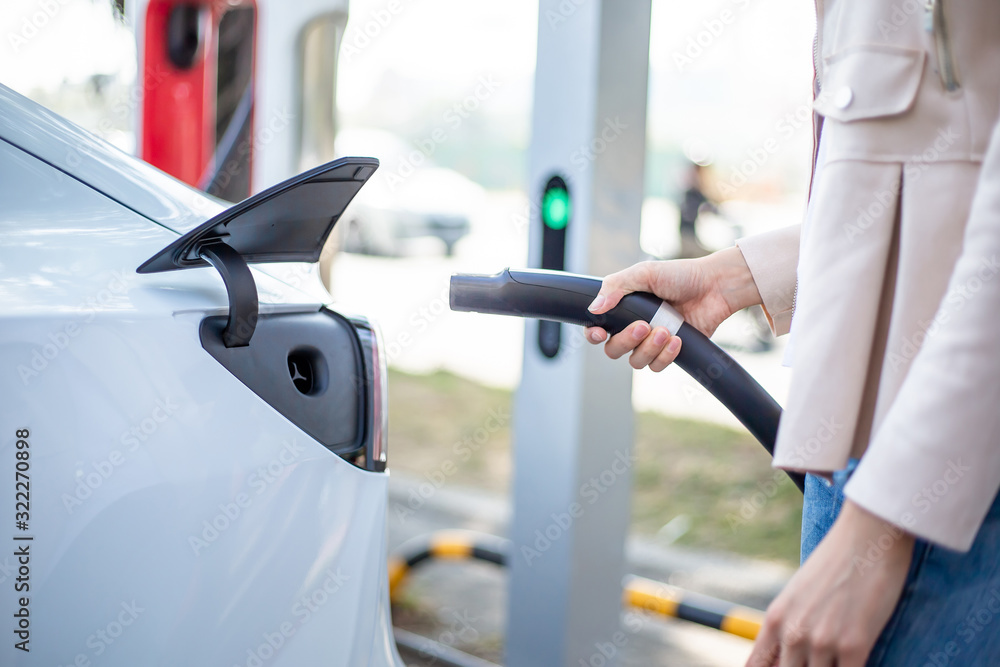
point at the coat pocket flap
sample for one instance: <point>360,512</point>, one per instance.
<point>869,82</point>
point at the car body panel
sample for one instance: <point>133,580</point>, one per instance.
<point>126,179</point>
<point>176,517</point>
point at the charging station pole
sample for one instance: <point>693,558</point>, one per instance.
<point>237,95</point>
<point>573,422</point>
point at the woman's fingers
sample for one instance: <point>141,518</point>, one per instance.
<point>795,655</point>
<point>636,278</point>
<point>766,649</point>
<point>666,355</point>
<point>830,613</point>
<point>655,348</point>
<point>649,349</point>
<point>626,341</point>
<point>823,657</point>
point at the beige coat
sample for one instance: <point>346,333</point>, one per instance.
<point>897,309</point>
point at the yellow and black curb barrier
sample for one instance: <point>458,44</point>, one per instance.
<point>672,602</point>
<point>639,593</point>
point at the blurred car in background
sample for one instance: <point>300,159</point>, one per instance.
<point>407,199</point>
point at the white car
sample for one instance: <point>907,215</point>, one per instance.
<point>409,198</point>
<point>192,465</point>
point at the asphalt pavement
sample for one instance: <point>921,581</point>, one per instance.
<point>467,599</point>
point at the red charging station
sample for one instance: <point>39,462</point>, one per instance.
<point>198,92</point>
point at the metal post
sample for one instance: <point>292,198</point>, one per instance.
<point>573,420</point>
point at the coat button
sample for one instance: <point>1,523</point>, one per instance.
<point>843,97</point>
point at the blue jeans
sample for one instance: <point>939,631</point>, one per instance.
<point>949,612</point>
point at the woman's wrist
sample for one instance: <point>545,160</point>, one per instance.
<point>867,528</point>
<point>736,284</point>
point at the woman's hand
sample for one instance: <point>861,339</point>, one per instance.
<point>704,291</point>
<point>832,611</point>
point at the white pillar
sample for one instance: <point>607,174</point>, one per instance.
<point>573,421</point>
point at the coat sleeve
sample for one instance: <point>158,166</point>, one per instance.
<point>933,466</point>
<point>773,258</point>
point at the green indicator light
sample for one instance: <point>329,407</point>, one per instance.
<point>556,209</point>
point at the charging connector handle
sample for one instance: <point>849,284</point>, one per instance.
<point>564,297</point>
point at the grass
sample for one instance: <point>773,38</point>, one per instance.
<point>715,480</point>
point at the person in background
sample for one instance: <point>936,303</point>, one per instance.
<point>692,204</point>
